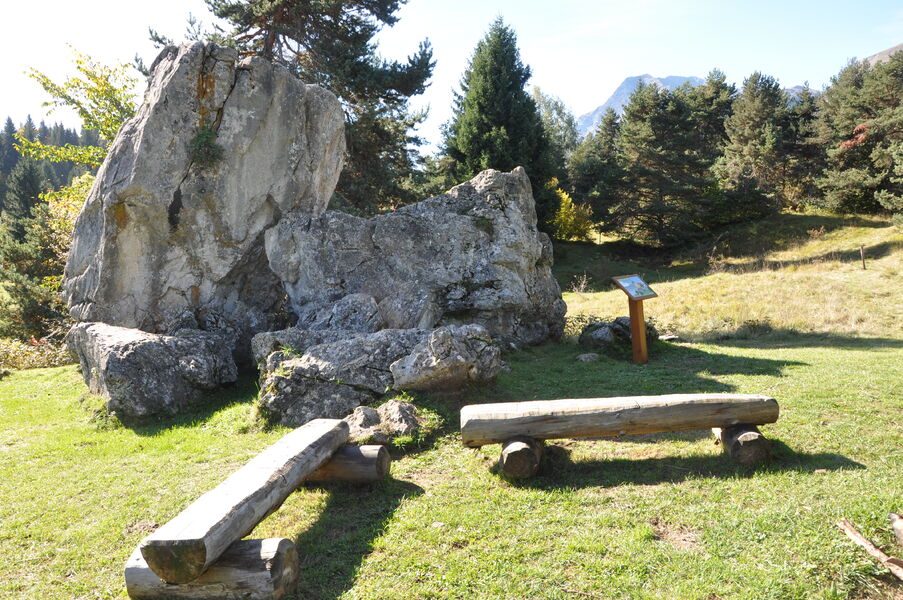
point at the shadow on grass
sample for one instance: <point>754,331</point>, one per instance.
<point>559,471</point>
<point>241,392</point>
<point>551,371</point>
<point>333,548</point>
<point>789,338</point>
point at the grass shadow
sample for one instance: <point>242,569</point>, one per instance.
<point>551,371</point>
<point>560,472</point>
<point>333,548</point>
<point>789,338</point>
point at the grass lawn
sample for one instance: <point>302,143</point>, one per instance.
<point>643,517</point>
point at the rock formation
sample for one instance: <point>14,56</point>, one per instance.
<point>170,227</point>
<point>208,214</point>
<point>472,255</point>
<point>307,375</point>
<point>381,425</point>
<point>148,375</point>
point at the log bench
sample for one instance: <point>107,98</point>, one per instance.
<point>521,426</point>
<point>200,552</point>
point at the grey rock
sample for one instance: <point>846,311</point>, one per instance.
<point>602,335</point>
<point>161,234</point>
<point>354,312</point>
<point>472,255</point>
<point>588,357</point>
<point>449,358</point>
<point>380,426</point>
<point>147,375</point>
<point>330,379</point>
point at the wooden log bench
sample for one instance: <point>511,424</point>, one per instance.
<point>519,425</point>
<point>182,549</point>
<point>354,464</point>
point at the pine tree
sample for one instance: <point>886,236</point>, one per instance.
<point>711,104</point>
<point>861,123</point>
<point>8,154</point>
<point>804,155</point>
<point>595,171</point>
<point>330,42</point>
<point>24,187</point>
<point>560,127</point>
<point>753,157</point>
<point>29,131</point>
<point>496,124</point>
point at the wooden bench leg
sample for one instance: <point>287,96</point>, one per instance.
<point>745,444</point>
<point>520,457</point>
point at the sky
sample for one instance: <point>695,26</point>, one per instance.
<point>579,50</point>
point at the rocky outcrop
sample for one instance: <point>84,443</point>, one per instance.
<point>219,150</point>
<point>472,255</point>
<point>308,375</point>
<point>148,375</point>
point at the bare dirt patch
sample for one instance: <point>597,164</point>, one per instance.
<point>682,538</point>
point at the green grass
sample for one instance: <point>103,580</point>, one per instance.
<point>663,516</point>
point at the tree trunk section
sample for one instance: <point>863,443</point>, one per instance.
<point>745,444</point>
<point>520,457</point>
<point>180,550</point>
<point>248,570</point>
<point>354,464</point>
<point>607,417</point>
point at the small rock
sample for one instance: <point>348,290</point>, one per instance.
<point>363,424</point>
<point>602,335</point>
<point>381,425</point>
<point>449,358</point>
<point>588,357</point>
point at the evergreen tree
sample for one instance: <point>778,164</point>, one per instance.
<point>29,132</point>
<point>496,123</point>
<point>753,157</point>
<point>560,127</point>
<point>9,156</point>
<point>861,123</point>
<point>804,155</point>
<point>330,42</point>
<point>595,170</point>
<point>24,187</point>
<point>665,184</point>
<point>711,104</point>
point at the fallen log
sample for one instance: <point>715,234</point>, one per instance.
<point>354,464</point>
<point>180,550</point>
<point>745,444</point>
<point>894,565</point>
<point>248,570</point>
<point>520,457</point>
<point>601,417</point>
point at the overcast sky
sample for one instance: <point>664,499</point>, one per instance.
<point>579,50</point>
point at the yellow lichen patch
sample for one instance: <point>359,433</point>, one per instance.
<point>120,215</point>
<point>205,89</point>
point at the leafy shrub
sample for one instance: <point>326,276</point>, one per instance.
<point>572,221</point>
<point>34,354</point>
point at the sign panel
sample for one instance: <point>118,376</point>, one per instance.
<point>634,287</point>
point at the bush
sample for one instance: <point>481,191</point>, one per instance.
<point>203,149</point>
<point>34,354</point>
<point>572,221</point>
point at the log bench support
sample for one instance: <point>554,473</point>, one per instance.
<point>354,464</point>
<point>745,444</point>
<point>248,570</point>
<point>520,457</point>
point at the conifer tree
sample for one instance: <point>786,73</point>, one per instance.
<point>24,187</point>
<point>753,157</point>
<point>496,124</point>
<point>560,127</point>
<point>595,172</point>
<point>330,42</point>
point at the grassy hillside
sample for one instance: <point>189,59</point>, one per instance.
<point>662,516</point>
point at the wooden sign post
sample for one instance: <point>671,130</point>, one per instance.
<point>637,290</point>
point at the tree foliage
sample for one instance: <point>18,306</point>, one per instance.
<point>560,128</point>
<point>496,124</point>
<point>330,42</point>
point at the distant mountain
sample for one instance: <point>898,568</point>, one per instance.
<point>619,98</point>
<point>882,56</point>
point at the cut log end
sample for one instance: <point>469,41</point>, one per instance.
<point>355,464</point>
<point>177,561</point>
<point>520,457</point>
<point>745,444</point>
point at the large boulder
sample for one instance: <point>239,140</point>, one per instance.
<point>149,375</point>
<point>472,255</point>
<point>327,374</point>
<point>220,148</point>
